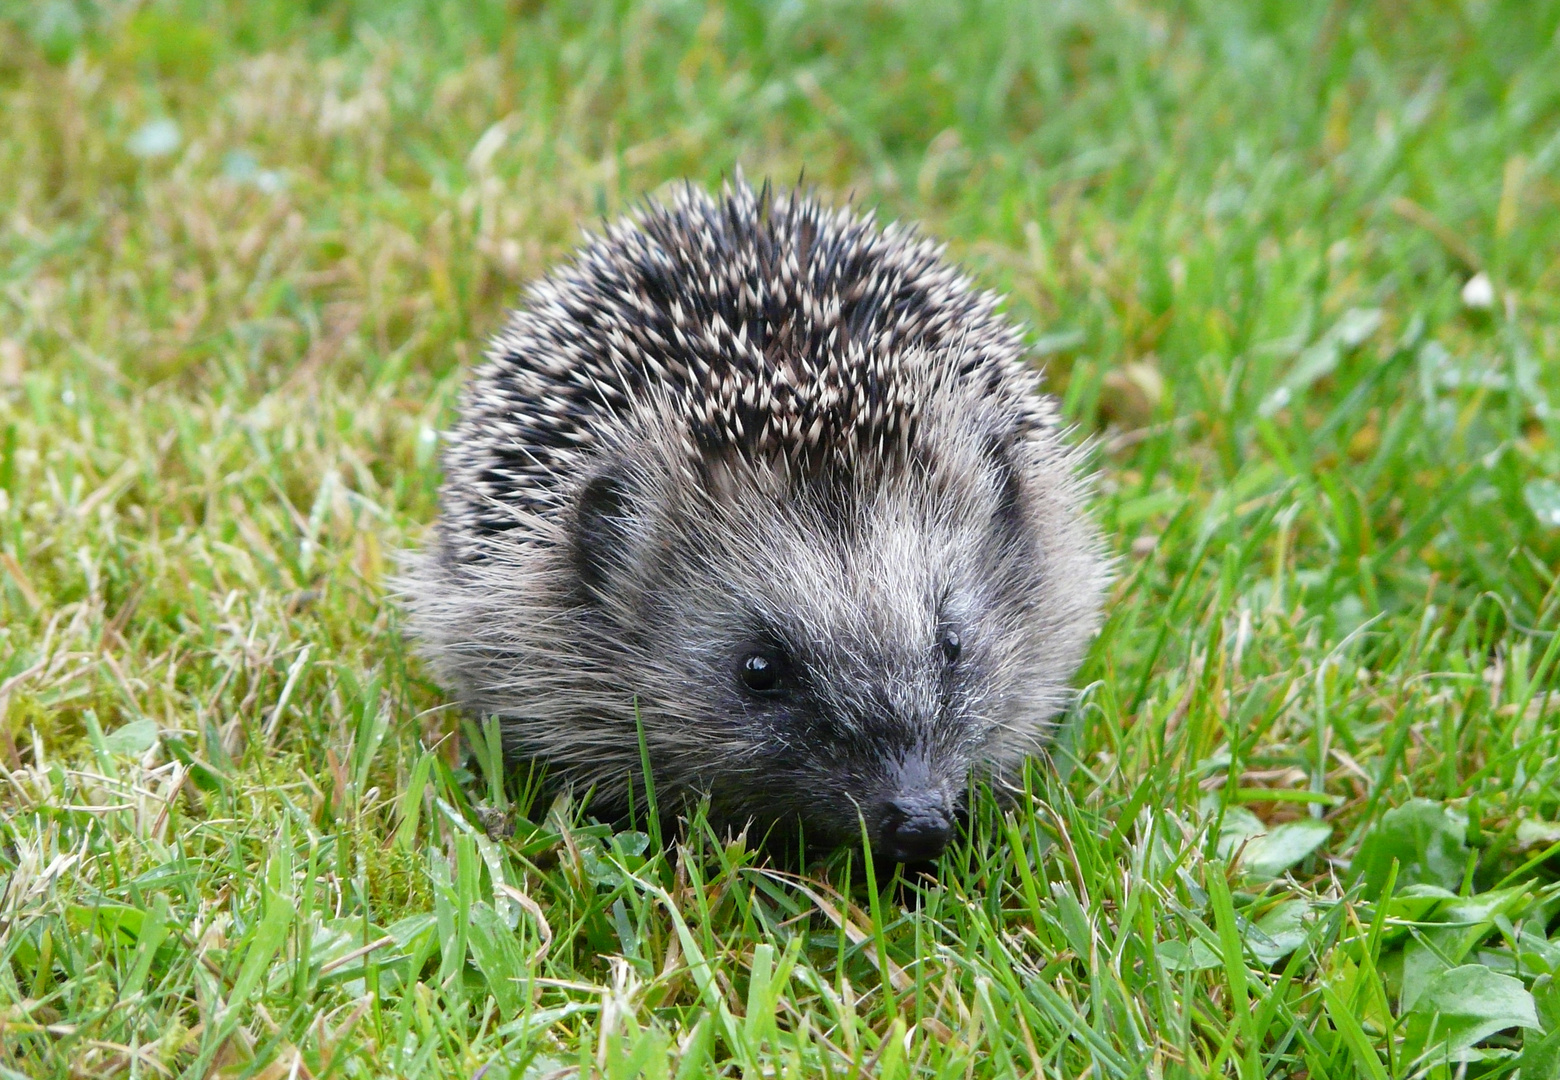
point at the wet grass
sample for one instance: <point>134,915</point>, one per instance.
<point>1293,266</point>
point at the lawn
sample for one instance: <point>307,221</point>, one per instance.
<point>1293,269</point>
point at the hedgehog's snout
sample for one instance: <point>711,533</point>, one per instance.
<point>915,821</point>
<point>915,827</point>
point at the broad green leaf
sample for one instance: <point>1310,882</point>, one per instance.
<point>408,930</point>
<point>1238,826</point>
<point>119,923</point>
<point>1279,932</point>
<point>154,928</point>
<point>1546,997</point>
<point>1540,1056</point>
<point>1195,955</point>
<point>1420,901</point>
<point>267,938</point>
<point>449,917</point>
<point>1535,952</point>
<point>1266,851</point>
<point>1425,838</point>
<point>1463,1006</point>
<point>335,940</point>
<point>1269,855</point>
<point>496,949</point>
<point>1468,921</point>
<point>1074,921</point>
<point>133,739</point>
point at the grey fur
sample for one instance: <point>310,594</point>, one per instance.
<point>750,423</point>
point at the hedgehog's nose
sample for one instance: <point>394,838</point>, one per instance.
<point>915,828</point>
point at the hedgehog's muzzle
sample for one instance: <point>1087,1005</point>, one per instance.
<point>915,828</point>
<point>915,821</point>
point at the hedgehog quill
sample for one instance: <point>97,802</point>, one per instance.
<point>778,488</point>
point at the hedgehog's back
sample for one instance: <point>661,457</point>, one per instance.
<point>767,324</point>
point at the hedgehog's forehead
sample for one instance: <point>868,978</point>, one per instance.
<point>848,557</point>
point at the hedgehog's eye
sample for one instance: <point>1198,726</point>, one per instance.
<point>951,644</point>
<point>761,672</point>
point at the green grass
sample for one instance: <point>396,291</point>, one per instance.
<point>249,251</point>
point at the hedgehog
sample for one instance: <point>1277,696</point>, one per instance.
<point>768,498</point>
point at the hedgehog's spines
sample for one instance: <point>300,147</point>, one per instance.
<point>778,328</point>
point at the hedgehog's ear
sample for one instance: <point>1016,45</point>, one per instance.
<point>602,517</point>
<point>999,454</point>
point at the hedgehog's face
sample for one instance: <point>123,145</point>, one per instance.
<point>863,677</point>
<point>845,659</point>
